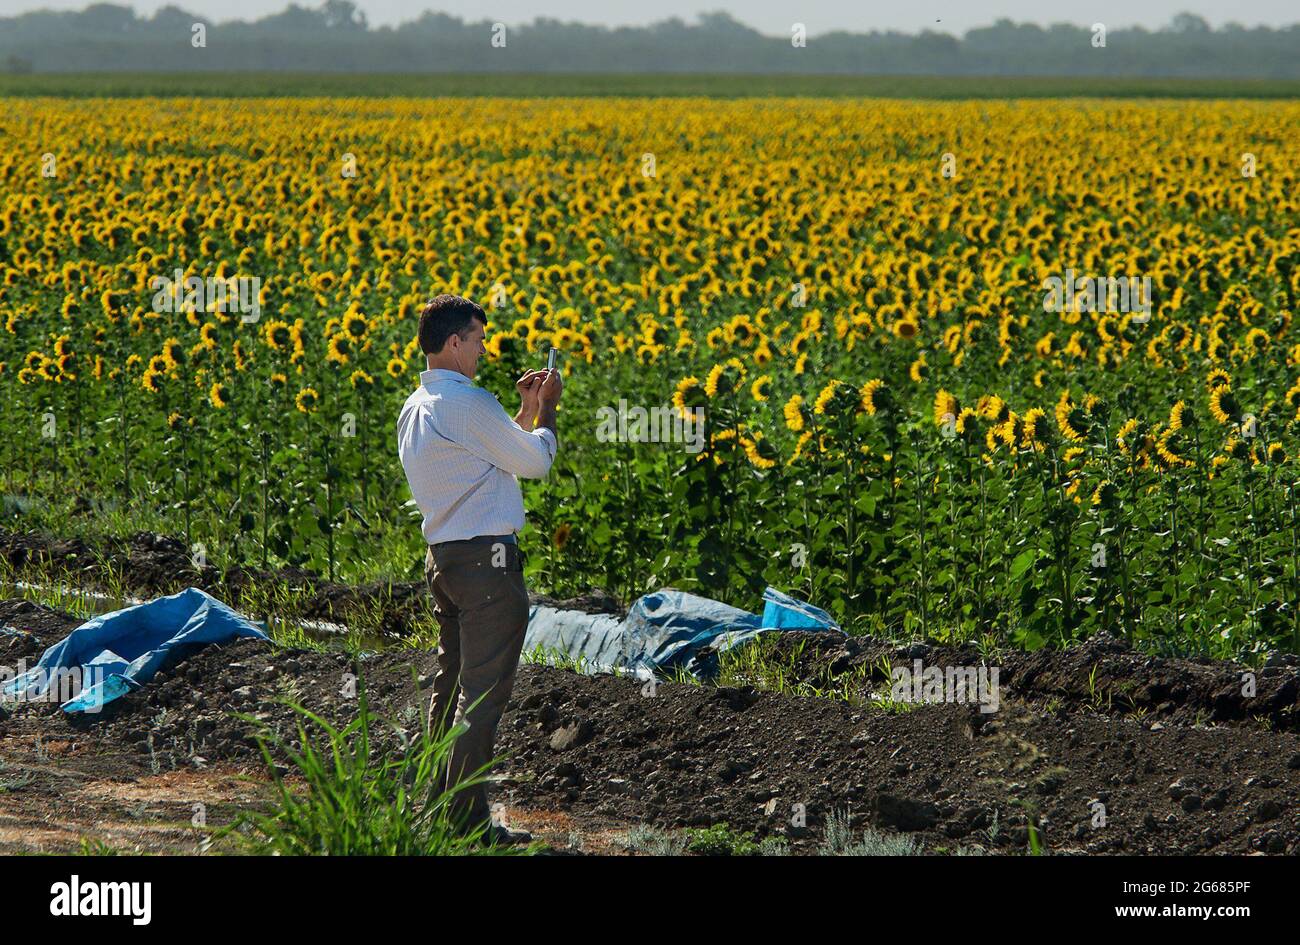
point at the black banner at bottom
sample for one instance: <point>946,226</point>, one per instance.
<point>146,895</point>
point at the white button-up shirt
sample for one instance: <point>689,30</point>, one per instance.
<point>462,453</point>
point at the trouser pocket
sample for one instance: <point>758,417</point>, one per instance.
<point>473,575</point>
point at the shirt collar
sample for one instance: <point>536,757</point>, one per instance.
<point>441,374</point>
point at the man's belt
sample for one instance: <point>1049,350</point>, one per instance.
<point>479,540</point>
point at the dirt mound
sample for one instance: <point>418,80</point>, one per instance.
<point>697,756</point>
<point>1102,675</point>
<point>26,629</point>
<point>676,755</point>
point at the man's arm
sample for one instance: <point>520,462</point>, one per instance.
<point>546,421</point>
<point>481,425</point>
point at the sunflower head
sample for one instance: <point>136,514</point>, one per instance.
<point>1217,378</point>
<point>1106,495</point>
<point>355,326</point>
<point>173,353</point>
<point>1072,420</point>
<point>724,378</point>
<point>1256,342</point>
<point>1127,435</point>
<point>946,407</point>
<point>278,335</point>
<point>1180,416</point>
<point>740,331</point>
<point>1224,406</point>
<point>968,425</point>
<point>1007,433</point>
<point>341,347</point>
<point>51,370</point>
<point>906,329</point>
<point>760,452</point>
<point>560,537</point>
<point>796,413</point>
<point>689,396</point>
<point>504,344</point>
<point>1034,432</point>
<point>874,397</point>
<point>307,400</point>
<point>917,372</point>
<point>208,336</point>
<point>1167,455</point>
<point>837,400</point>
<point>800,447</point>
<point>993,408</point>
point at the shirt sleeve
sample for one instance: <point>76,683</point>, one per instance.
<point>483,427</point>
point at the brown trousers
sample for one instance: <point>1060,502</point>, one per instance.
<point>482,609</point>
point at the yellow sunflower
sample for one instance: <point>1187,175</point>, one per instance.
<point>307,400</point>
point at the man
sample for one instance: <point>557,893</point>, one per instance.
<point>462,456</point>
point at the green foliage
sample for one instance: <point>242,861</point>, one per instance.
<point>841,841</point>
<point>720,840</point>
<point>350,798</point>
<point>650,841</point>
<point>95,847</point>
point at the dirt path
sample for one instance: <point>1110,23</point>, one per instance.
<point>590,756</point>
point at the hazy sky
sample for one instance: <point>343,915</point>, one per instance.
<point>769,16</point>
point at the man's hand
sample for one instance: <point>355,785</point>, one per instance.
<point>530,389</point>
<point>551,389</point>
<point>549,392</point>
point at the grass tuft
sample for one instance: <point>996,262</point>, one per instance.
<point>359,799</point>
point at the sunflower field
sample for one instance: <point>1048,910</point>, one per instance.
<point>852,292</point>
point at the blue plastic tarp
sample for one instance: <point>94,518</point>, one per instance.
<point>114,653</point>
<point>666,630</point>
<point>782,612</point>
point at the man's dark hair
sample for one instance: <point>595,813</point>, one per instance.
<point>444,316</point>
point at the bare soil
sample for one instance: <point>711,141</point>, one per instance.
<point>1105,750</point>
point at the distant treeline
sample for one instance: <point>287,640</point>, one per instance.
<point>336,38</point>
